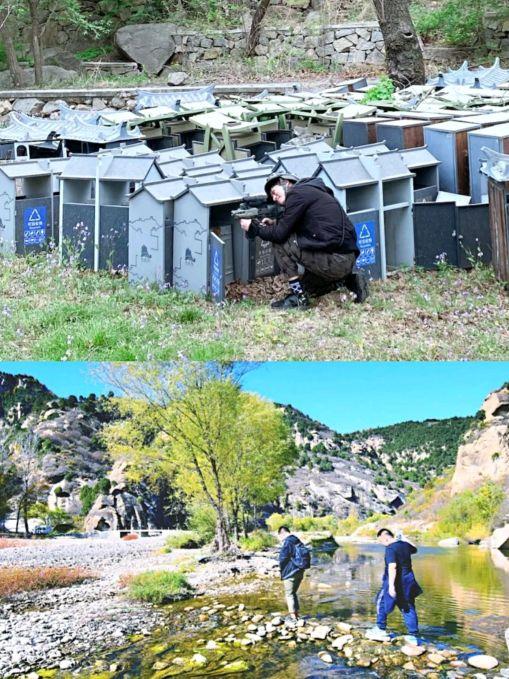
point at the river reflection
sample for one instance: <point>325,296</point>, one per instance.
<point>465,600</point>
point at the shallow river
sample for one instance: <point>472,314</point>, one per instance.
<point>465,604</point>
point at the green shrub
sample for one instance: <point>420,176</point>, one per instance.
<point>202,520</point>
<point>469,514</point>
<point>382,91</point>
<point>257,541</point>
<point>89,494</point>
<point>159,587</point>
<point>92,53</point>
<point>456,22</point>
<point>185,539</point>
<point>302,523</point>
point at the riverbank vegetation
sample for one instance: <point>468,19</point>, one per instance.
<point>18,579</point>
<point>64,313</point>
<point>158,587</point>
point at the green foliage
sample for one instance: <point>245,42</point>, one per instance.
<point>470,514</point>
<point>92,53</point>
<point>159,587</point>
<point>455,22</point>
<point>382,91</point>
<point>89,494</point>
<point>51,517</point>
<point>302,523</point>
<point>257,541</point>
<point>202,520</point>
<point>185,539</point>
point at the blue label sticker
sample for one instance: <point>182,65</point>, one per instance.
<point>216,269</point>
<point>366,242</point>
<point>34,225</point>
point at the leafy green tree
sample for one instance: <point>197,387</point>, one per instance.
<point>192,423</point>
<point>7,477</point>
<point>26,460</point>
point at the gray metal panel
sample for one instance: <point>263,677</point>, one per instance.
<point>78,224</point>
<point>253,258</point>
<point>7,216</point>
<point>474,235</point>
<point>216,193</point>
<point>113,239</point>
<point>392,136</point>
<point>478,181</point>
<point>443,146</point>
<point>301,166</point>
<point>227,238</point>
<point>190,245</point>
<point>348,171</point>
<point>435,234</point>
<point>34,227</point>
<point>147,241</point>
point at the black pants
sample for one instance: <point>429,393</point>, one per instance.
<point>321,269</point>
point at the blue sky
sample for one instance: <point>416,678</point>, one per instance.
<point>345,396</point>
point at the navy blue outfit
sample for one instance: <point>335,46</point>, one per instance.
<point>407,587</point>
<point>286,564</point>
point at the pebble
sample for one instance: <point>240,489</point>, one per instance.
<point>482,662</point>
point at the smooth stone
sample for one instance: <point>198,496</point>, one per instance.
<point>482,662</point>
<point>321,632</point>
<point>325,657</point>
<point>340,642</point>
<point>413,651</point>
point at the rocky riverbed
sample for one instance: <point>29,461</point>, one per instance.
<point>58,628</point>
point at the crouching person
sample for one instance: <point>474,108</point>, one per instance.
<point>315,243</point>
<point>294,559</point>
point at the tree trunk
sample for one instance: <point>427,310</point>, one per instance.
<point>256,25</point>
<point>222,542</point>
<point>7,37</point>
<point>403,54</point>
<point>37,53</point>
<point>25,518</point>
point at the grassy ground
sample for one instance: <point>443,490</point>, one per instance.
<point>53,313</point>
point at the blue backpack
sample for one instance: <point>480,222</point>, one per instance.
<point>301,556</point>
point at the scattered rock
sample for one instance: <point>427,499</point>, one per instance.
<point>449,542</point>
<point>483,662</point>
<point>326,657</point>
<point>321,632</point>
<point>413,651</point>
<point>28,105</point>
<point>5,107</point>
<point>176,78</point>
<point>340,642</point>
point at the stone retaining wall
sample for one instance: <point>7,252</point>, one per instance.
<point>497,35</point>
<point>341,44</point>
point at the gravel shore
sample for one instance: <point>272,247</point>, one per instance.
<point>54,628</point>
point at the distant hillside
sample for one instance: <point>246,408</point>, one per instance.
<point>403,455</point>
<point>22,395</point>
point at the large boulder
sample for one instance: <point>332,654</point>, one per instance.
<point>151,45</point>
<point>50,74</point>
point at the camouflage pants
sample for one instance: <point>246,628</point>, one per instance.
<point>320,268</point>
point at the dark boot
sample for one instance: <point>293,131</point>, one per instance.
<point>297,299</point>
<point>358,284</point>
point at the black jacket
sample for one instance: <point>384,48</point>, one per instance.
<point>286,565</point>
<point>315,216</point>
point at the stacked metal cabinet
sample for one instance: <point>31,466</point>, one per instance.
<point>396,230</point>
<point>405,133</point>
<point>494,137</point>
<point>359,193</point>
<point>29,205</point>
<point>425,168</point>
<point>151,231</point>
<point>204,209</point>
<point>252,258</point>
<point>496,169</point>
<point>361,131</point>
<point>94,211</point>
<point>448,142</point>
<point>25,138</point>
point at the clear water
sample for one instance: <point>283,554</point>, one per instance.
<point>465,604</point>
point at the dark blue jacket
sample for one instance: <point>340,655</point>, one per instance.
<point>407,587</point>
<point>286,565</point>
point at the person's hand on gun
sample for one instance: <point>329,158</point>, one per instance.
<point>245,224</point>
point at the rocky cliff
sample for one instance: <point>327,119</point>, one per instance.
<point>368,471</point>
